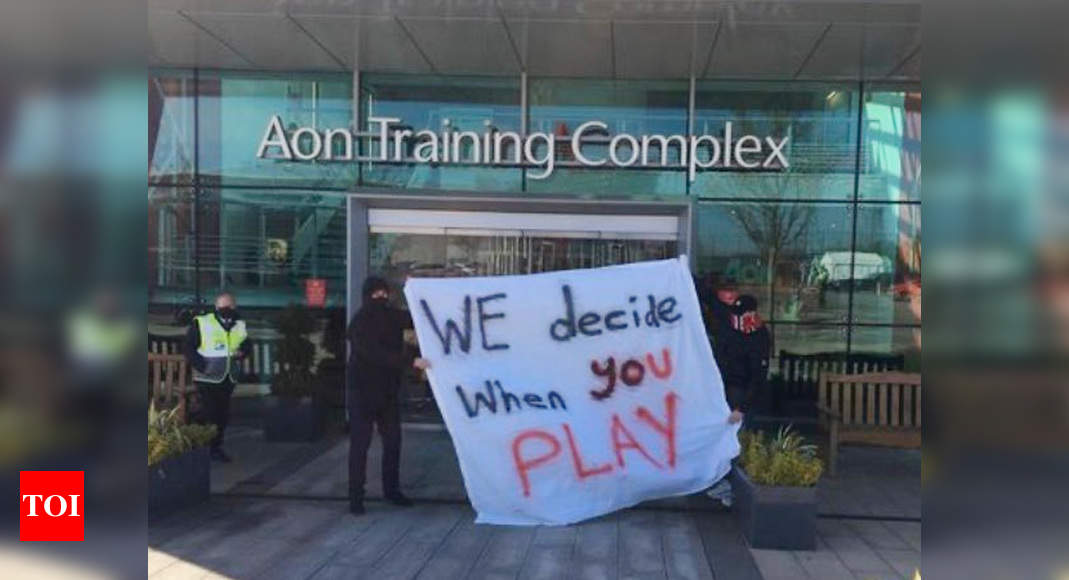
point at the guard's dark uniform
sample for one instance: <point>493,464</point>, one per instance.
<point>378,360</point>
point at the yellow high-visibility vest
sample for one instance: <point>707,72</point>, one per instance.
<point>218,346</point>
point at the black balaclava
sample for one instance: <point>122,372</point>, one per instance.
<point>227,316</point>
<point>372,284</point>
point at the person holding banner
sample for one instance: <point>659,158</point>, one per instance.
<point>742,345</point>
<point>742,351</point>
<point>378,360</point>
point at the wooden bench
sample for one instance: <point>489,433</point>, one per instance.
<point>261,367</point>
<point>168,380</point>
<point>875,408</point>
<point>799,373</point>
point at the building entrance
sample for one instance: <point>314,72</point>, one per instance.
<point>404,243</point>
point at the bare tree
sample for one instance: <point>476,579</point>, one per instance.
<point>774,227</point>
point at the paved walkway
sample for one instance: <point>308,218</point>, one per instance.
<point>870,527</point>
<point>849,550</point>
<point>276,538</point>
<point>872,482</point>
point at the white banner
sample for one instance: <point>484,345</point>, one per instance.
<point>573,394</point>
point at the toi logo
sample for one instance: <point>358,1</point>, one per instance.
<point>51,506</point>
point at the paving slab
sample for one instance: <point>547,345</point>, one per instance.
<point>288,538</point>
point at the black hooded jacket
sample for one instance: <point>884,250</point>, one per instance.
<point>379,356</point>
<point>742,357</point>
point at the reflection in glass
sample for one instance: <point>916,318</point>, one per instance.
<point>891,138</point>
<point>890,234</point>
<point>171,258</point>
<point>889,340</point>
<point>234,110</point>
<point>397,256</point>
<point>807,339</point>
<point>428,103</point>
<point>170,130</point>
<point>820,121</point>
<point>265,246</point>
<point>559,106</point>
<point>789,256</point>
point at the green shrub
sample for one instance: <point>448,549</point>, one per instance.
<point>169,436</point>
<point>784,460</point>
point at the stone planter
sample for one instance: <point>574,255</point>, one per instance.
<point>179,482</point>
<point>293,420</point>
<point>776,518</point>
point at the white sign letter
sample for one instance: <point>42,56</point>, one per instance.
<point>547,159</point>
<point>776,152</point>
<point>274,136</point>
<point>577,144</point>
<point>695,142</point>
<point>662,142</point>
<point>748,144</point>
<point>615,144</point>
<point>384,123</point>
<point>317,143</point>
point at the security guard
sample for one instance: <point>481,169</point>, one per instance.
<point>215,344</point>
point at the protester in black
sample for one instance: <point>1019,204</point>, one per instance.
<point>379,358</point>
<point>741,345</point>
<point>742,351</point>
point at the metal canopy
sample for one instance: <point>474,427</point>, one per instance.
<point>647,39</point>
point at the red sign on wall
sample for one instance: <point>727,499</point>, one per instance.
<point>315,292</point>
<point>52,506</point>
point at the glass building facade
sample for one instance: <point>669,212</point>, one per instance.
<point>830,246</point>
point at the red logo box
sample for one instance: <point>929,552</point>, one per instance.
<point>52,506</point>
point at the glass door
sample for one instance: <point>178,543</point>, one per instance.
<point>405,243</point>
<point>447,243</point>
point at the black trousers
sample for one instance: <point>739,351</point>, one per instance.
<point>215,407</point>
<point>387,418</point>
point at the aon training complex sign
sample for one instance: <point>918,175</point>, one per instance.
<point>395,143</point>
<point>573,394</point>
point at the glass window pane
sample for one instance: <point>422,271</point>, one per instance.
<point>170,248</point>
<point>891,137</point>
<point>234,110</point>
<point>806,339</point>
<point>820,122</point>
<point>889,340</point>
<point>395,257</point>
<point>887,268</point>
<point>171,127</point>
<point>265,246</point>
<point>775,251</point>
<point>559,106</point>
<point>428,103</point>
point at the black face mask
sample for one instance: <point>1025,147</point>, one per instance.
<point>226,313</point>
<point>379,301</point>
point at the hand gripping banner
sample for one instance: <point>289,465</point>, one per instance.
<point>573,394</point>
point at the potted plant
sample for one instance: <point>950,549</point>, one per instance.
<point>179,471</point>
<point>330,371</point>
<point>775,490</point>
<point>294,412</point>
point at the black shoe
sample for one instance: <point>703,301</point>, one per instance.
<point>399,499</point>
<point>219,455</point>
<point>356,507</point>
